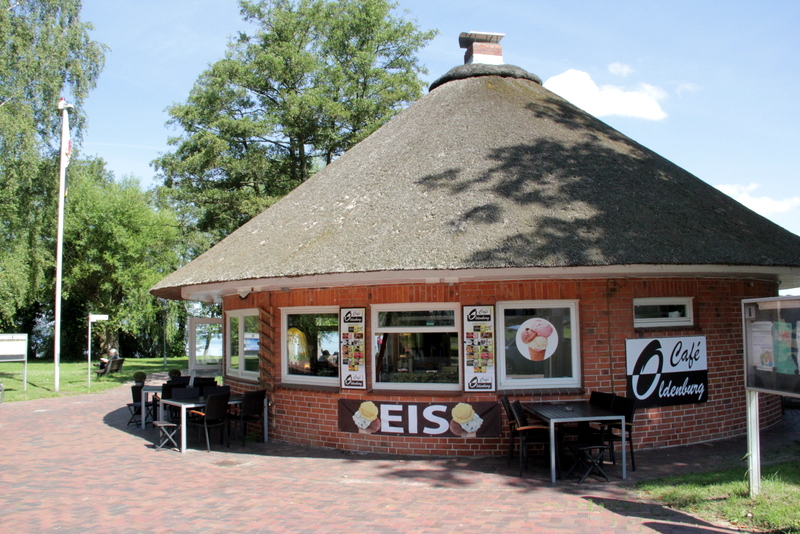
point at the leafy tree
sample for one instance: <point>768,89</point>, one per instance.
<point>118,242</point>
<point>314,79</point>
<point>46,53</point>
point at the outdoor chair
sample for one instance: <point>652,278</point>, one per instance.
<point>202,383</point>
<point>214,390</point>
<point>589,453</point>
<point>213,415</point>
<point>627,407</point>
<point>181,393</point>
<point>512,426</point>
<point>136,407</point>
<point>529,434</point>
<point>250,411</point>
<point>602,399</point>
<point>166,434</point>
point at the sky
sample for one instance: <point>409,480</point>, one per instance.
<point>712,86</point>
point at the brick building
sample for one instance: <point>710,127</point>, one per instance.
<point>490,240</point>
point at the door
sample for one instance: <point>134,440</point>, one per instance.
<point>205,346</point>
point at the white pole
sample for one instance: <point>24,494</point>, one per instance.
<point>62,181</point>
<point>89,357</point>
<point>753,444</point>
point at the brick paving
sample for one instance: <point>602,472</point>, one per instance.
<point>72,464</point>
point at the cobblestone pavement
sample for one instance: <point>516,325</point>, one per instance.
<point>73,465</point>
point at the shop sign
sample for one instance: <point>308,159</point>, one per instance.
<point>352,356</point>
<point>667,371</point>
<point>479,348</point>
<point>441,419</point>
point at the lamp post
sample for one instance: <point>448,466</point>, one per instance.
<point>92,318</point>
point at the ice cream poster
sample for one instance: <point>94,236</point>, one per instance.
<point>446,419</point>
<point>479,348</point>
<point>352,369</point>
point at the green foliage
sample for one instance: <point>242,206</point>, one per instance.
<point>314,79</point>
<point>725,495</point>
<point>46,53</point>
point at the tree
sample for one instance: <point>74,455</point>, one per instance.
<point>118,242</point>
<point>314,79</point>
<point>46,53</point>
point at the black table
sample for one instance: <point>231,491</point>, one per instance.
<point>572,412</point>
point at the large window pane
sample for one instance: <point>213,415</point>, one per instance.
<point>538,346</point>
<point>251,333</point>
<point>421,318</point>
<point>418,357</point>
<point>233,331</point>
<point>312,344</point>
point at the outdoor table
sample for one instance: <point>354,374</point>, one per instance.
<point>572,412</point>
<point>146,391</point>
<point>185,404</point>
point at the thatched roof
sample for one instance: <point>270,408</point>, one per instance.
<point>492,171</point>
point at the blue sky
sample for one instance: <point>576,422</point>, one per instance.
<point>711,86</point>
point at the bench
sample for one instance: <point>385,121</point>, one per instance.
<point>112,366</point>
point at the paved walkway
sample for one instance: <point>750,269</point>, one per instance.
<point>73,465</point>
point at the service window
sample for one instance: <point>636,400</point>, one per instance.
<point>310,345</point>
<point>416,346</point>
<point>539,347</point>
<point>660,312</point>
<point>242,329</point>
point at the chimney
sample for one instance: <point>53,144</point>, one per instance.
<point>482,47</point>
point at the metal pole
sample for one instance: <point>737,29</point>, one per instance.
<point>89,357</point>
<point>62,186</point>
<point>753,444</point>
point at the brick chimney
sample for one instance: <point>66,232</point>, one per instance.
<point>482,47</point>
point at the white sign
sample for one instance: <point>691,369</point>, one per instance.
<point>94,318</point>
<point>352,335</point>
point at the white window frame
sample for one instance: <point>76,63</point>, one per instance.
<point>415,306</point>
<point>505,382</point>
<point>687,302</point>
<point>239,372</point>
<point>286,378</point>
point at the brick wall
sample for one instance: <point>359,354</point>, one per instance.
<point>308,415</point>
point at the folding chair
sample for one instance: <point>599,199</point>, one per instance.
<point>589,450</point>
<point>166,434</point>
<point>136,407</point>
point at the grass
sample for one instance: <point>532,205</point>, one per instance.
<point>724,495</point>
<point>73,379</point>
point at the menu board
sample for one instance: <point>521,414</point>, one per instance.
<point>479,348</point>
<point>352,332</point>
<point>771,328</point>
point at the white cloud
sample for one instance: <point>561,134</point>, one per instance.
<point>579,88</point>
<point>620,69</point>
<point>765,206</point>
<point>687,87</point>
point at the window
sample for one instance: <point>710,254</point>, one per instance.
<point>539,347</point>
<point>416,346</point>
<point>653,312</point>
<point>243,333</point>
<point>310,345</point>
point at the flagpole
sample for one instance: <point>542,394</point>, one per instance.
<point>62,181</point>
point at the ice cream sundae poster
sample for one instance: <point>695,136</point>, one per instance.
<point>352,369</point>
<point>479,348</point>
<point>445,419</point>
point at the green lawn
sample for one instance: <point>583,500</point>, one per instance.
<point>73,379</point>
<point>725,495</point>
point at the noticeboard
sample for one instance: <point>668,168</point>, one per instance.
<point>771,331</point>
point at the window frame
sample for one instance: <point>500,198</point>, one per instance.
<point>286,378</point>
<point>503,381</point>
<point>661,322</point>
<point>240,372</point>
<point>375,309</point>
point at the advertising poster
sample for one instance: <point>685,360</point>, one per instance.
<point>479,348</point>
<point>771,329</point>
<point>445,419</point>
<point>352,355</point>
<point>667,371</point>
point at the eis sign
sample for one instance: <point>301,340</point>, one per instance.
<point>667,371</point>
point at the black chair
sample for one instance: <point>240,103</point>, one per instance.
<point>602,399</point>
<point>205,391</point>
<point>136,407</point>
<point>179,380</point>
<point>203,382</point>
<point>250,411</point>
<point>181,393</point>
<point>589,452</point>
<point>213,415</point>
<point>529,434</point>
<point>627,407</point>
<point>512,426</point>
